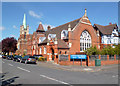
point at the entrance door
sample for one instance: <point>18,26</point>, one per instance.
<point>52,54</point>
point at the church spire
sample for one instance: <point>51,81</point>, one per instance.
<point>24,21</point>
<point>85,12</point>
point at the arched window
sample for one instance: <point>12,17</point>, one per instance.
<point>85,41</point>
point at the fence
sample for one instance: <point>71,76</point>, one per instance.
<point>93,57</point>
<point>117,57</point>
<point>103,57</point>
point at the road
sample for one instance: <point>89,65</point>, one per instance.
<point>20,73</point>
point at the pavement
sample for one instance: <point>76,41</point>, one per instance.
<point>78,67</point>
<point>46,73</point>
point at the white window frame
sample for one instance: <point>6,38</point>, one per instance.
<point>85,41</point>
<point>44,50</point>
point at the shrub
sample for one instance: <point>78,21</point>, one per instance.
<point>92,51</point>
<point>41,59</point>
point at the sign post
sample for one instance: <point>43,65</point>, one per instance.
<point>81,62</point>
<point>73,61</point>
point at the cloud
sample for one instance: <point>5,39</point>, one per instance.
<point>2,28</point>
<point>32,13</point>
<point>46,25</point>
<point>14,27</point>
<point>12,35</point>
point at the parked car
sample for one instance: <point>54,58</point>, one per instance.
<point>28,59</point>
<point>4,56</point>
<point>0,56</point>
<point>10,57</point>
<point>17,58</point>
<point>37,56</point>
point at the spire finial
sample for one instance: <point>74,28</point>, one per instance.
<point>24,21</point>
<point>85,12</point>
<point>40,22</point>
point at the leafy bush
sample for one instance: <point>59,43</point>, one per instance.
<point>92,51</point>
<point>41,59</point>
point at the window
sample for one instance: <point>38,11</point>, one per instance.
<point>44,50</point>
<point>40,51</point>
<point>60,52</point>
<point>25,35</point>
<point>85,41</point>
<point>64,34</point>
<point>65,52</point>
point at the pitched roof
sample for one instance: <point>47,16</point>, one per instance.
<point>57,30</point>
<point>106,29</point>
<point>62,44</point>
<point>40,28</point>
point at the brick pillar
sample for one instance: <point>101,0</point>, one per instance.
<point>114,57</point>
<point>55,60</point>
<point>99,56</point>
<point>48,51</point>
<point>68,57</point>
<point>107,57</point>
<point>87,60</point>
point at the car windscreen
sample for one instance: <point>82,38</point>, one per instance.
<point>31,57</point>
<point>19,56</point>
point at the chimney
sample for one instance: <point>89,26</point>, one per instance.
<point>48,28</point>
<point>110,23</point>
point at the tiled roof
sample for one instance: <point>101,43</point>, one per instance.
<point>107,30</point>
<point>57,30</point>
<point>40,28</point>
<point>62,44</point>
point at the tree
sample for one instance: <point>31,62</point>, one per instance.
<point>92,51</point>
<point>9,45</point>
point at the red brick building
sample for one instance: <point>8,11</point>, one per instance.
<point>71,38</point>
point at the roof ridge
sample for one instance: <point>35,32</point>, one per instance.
<point>106,25</point>
<point>65,23</point>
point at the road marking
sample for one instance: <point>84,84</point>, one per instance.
<point>55,80</point>
<point>115,76</point>
<point>3,62</point>
<point>23,69</point>
<point>10,64</point>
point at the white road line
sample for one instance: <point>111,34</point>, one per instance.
<point>23,69</point>
<point>55,80</point>
<point>10,64</point>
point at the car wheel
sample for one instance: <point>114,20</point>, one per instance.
<point>26,62</point>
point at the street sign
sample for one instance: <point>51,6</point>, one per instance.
<point>78,56</point>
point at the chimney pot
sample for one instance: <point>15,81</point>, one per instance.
<point>48,28</point>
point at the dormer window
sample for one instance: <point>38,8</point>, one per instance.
<point>51,36</point>
<point>64,34</point>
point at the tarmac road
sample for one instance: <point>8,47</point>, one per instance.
<point>20,73</point>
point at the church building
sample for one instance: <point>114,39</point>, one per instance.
<point>71,38</point>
